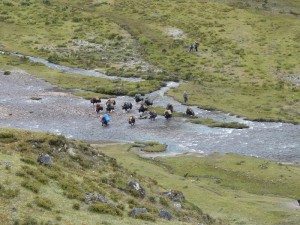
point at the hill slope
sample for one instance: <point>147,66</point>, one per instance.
<point>81,186</point>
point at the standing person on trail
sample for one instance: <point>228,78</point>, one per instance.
<point>191,47</point>
<point>185,96</point>
<point>196,46</point>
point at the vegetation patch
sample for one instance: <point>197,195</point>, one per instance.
<point>35,98</point>
<point>151,147</point>
<point>213,123</point>
<point>105,209</point>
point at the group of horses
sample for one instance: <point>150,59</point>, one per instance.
<point>143,109</point>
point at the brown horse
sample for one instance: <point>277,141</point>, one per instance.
<point>99,108</point>
<point>131,120</point>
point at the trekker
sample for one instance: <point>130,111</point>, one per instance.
<point>191,47</point>
<point>196,46</point>
<point>185,97</point>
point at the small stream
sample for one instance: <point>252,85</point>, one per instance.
<point>74,117</point>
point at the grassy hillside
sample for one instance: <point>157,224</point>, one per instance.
<point>67,192</point>
<point>247,62</point>
<point>239,190</point>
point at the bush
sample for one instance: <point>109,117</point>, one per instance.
<point>31,185</point>
<point>8,193</point>
<point>44,203</point>
<point>76,206</point>
<point>105,209</point>
<point>145,216</point>
<point>28,161</point>
<point>6,72</point>
<point>163,201</point>
<point>7,137</point>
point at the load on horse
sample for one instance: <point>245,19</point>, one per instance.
<point>138,98</point>
<point>105,120</point>
<point>110,105</point>
<point>95,100</point>
<point>148,101</point>
<point>168,114</point>
<point>131,120</point>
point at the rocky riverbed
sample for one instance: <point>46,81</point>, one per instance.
<point>30,103</point>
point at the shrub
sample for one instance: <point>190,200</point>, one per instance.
<point>6,72</point>
<point>44,203</point>
<point>28,161</point>
<point>7,137</point>
<point>163,201</point>
<point>105,209</point>
<point>76,206</point>
<point>30,221</point>
<point>31,185</point>
<point>8,193</point>
<point>145,216</point>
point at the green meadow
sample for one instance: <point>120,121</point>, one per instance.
<point>247,63</point>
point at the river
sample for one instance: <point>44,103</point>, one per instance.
<point>62,113</point>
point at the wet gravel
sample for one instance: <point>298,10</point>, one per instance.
<point>30,103</point>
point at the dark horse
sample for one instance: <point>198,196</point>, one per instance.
<point>168,114</point>
<point>170,107</point>
<point>138,98</point>
<point>189,112</point>
<point>99,107</point>
<point>143,108</point>
<point>152,115</point>
<point>131,120</point>
<point>95,100</point>
<point>126,106</point>
<point>148,101</point>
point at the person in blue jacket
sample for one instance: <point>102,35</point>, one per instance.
<point>105,120</point>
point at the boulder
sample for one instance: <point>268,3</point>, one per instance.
<point>176,196</point>
<point>93,198</point>
<point>137,211</point>
<point>165,214</point>
<point>137,190</point>
<point>45,160</point>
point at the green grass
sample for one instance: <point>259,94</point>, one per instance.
<point>247,53</point>
<point>150,146</point>
<point>213,123</point>
<point>237,189</point>
<point>78,169</point>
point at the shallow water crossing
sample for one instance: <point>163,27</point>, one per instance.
<point>62,113</point>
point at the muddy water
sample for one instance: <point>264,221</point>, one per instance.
<point>74,117</point>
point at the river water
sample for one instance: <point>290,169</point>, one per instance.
<point>62,113</point>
